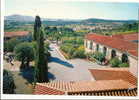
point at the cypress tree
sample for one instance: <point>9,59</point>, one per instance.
<point>37,26</point>
<point>41,72</point>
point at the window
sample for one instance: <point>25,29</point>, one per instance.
<point>97,47</point>
<point>124,58</point>
<point>91,44</point>
<point>113,53</point>
<point>104,50</point>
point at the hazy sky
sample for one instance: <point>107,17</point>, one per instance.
<point>72,10</point>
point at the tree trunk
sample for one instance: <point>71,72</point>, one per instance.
<point>27,64</point>
<point>57,41</point>
<point>22,64</point>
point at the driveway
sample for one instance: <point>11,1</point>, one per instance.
<point>69,70</point>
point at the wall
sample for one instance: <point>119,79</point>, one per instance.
<point>87,49</point>
<point>133,65</point>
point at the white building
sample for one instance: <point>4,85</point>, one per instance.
<point>122,46</point>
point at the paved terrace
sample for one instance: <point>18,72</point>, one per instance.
<point>59,69</point>
<point>69,70</point>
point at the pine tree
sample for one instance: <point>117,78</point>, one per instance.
<point>41,72</point>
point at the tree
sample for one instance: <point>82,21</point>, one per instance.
<point>46,52</point>
<point>57,36</point>
<point>37,26</point>
<point>9,45</point>
<point>41,72</point>
<point>8,83</point>
<point>24,53</point>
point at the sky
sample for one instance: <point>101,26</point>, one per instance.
<point>72,10</point>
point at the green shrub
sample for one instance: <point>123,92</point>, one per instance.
<point>71,50</point>
<point>80,41</point>
<point>46,45</point>
<point>64,48</point>
<point>80,52</point>
<point>73,40</point>
<point>124,65</point>
<point>68,48</point>
<point>8,82</point>
<point>9,45</point>
<point>115,62</point>
<point>98,56</point>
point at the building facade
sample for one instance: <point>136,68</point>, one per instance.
<point>115,46</point>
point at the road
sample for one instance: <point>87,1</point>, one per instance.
<point>69,70</point>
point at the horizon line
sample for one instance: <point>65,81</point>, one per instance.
<point>70,18</point>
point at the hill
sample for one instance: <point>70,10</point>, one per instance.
<point>95,20</point>
<point>19,18</point>
<point>48,21</point>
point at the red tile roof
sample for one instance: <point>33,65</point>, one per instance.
<point>114,74</point>
<point>127,37</point>
<point>42,89</point>
<point>17,33</point>
<point>132,92</point>
<point>82,87</point>
<point>116,43</point>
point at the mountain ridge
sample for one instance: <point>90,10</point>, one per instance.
<point>24,18</point>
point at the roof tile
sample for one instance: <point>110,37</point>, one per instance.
<point>114,42</point>
<point>17,33</point>
<point>114,74</point>
<point>82,87</point>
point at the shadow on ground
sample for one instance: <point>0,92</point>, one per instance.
<point>57,60</point>
<point>51,76</point>
<point>50,49</point>
<point>28,74</point>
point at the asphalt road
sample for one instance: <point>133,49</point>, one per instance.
<point>69,70</point>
